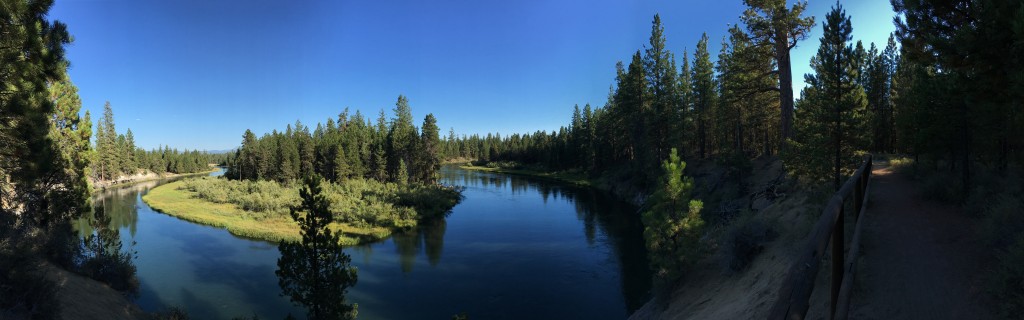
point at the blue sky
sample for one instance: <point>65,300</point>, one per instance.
<point>197,74</point>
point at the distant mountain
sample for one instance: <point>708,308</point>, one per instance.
<point>221,151</point>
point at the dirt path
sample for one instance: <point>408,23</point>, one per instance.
<point>919,259</point>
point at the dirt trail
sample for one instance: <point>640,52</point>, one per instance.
<point>919,259</point>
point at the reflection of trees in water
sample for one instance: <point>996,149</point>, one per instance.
<point>119,204</point>
<point>433,236</point>
<point>600,213</point>
<point>408,245</point>
<point>427,237</point>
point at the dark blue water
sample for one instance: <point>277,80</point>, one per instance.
<point>515,248</point>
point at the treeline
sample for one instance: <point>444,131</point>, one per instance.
<point>728,109</point>
<point>959,83</point>
<point>116,153</point>
<point>392,150</point>
<point>846,108</point>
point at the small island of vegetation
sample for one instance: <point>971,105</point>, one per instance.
<point>372,189</point>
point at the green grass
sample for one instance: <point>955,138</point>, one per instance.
<point>175,200</point>
<point>575,178</point>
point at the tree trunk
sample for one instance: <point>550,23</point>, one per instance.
<point>785,87</point>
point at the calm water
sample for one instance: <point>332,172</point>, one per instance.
<point>515,248</point>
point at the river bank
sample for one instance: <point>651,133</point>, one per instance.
<point>509,235</point>
<point>123,181</point>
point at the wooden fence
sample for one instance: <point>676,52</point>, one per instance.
<point>794,296</point>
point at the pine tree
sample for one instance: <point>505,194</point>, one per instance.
<point>245,164</point>
<point>672,224</point>
<point>973,50</point>
<point>685,127</point>
<point>130,163</point>
<point>659,67</point>
<point>747,105</point>
<point>70,135</point>
<point>304,149</point>
<point>704,93</point>
<point>430,157</point>
<point>588,136</point>
<point>31,56</point>
<point>341,168</point>
<point>832,111</point>
<point>772,25</point>
<point>380,159</point>
<point>631,102</point>
<point>401,136</point>
<point>316,273</point>
<point>106,145</point>
<point>402,174</point>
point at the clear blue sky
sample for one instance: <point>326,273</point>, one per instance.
<point>198,73</point>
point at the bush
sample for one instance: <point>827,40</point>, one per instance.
<point>1008,281</point>
<point>902,164</point>
<point>746,240</point>
<point>173,313</point>
<point>24,289</point>
<point>63,246</point>
<point>358,202</point>
<point>104,259</point>
<point>942,186</point>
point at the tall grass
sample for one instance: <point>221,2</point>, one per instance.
<point>363,209</point>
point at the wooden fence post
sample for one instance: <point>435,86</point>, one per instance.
<point>838,252</point>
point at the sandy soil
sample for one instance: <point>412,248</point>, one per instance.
<point>84,298</point>
<point>711,291</point>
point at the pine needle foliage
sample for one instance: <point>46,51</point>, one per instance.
<point>315,272</point>
<point>673,225</point>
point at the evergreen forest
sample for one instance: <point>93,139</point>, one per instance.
<point>940,103</point>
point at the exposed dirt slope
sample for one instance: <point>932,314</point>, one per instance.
<point>712,291</point>
<point>84,298</point>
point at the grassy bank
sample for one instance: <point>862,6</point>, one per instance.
<point>176,201</point>
<point>365,210</point>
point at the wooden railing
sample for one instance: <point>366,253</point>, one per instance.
<point>794,296</point>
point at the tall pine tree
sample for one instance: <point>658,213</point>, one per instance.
<point>831,114</point>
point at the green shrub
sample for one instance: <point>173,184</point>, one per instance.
<point>901,164</point>
<point>358,202</point>
<point>24,289</point>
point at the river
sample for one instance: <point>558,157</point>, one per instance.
<point>515,248</point>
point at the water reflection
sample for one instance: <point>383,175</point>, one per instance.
<point>514,248</point>
<point>605,220</point>
<point>427,238</point>
<point>119,205</point>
